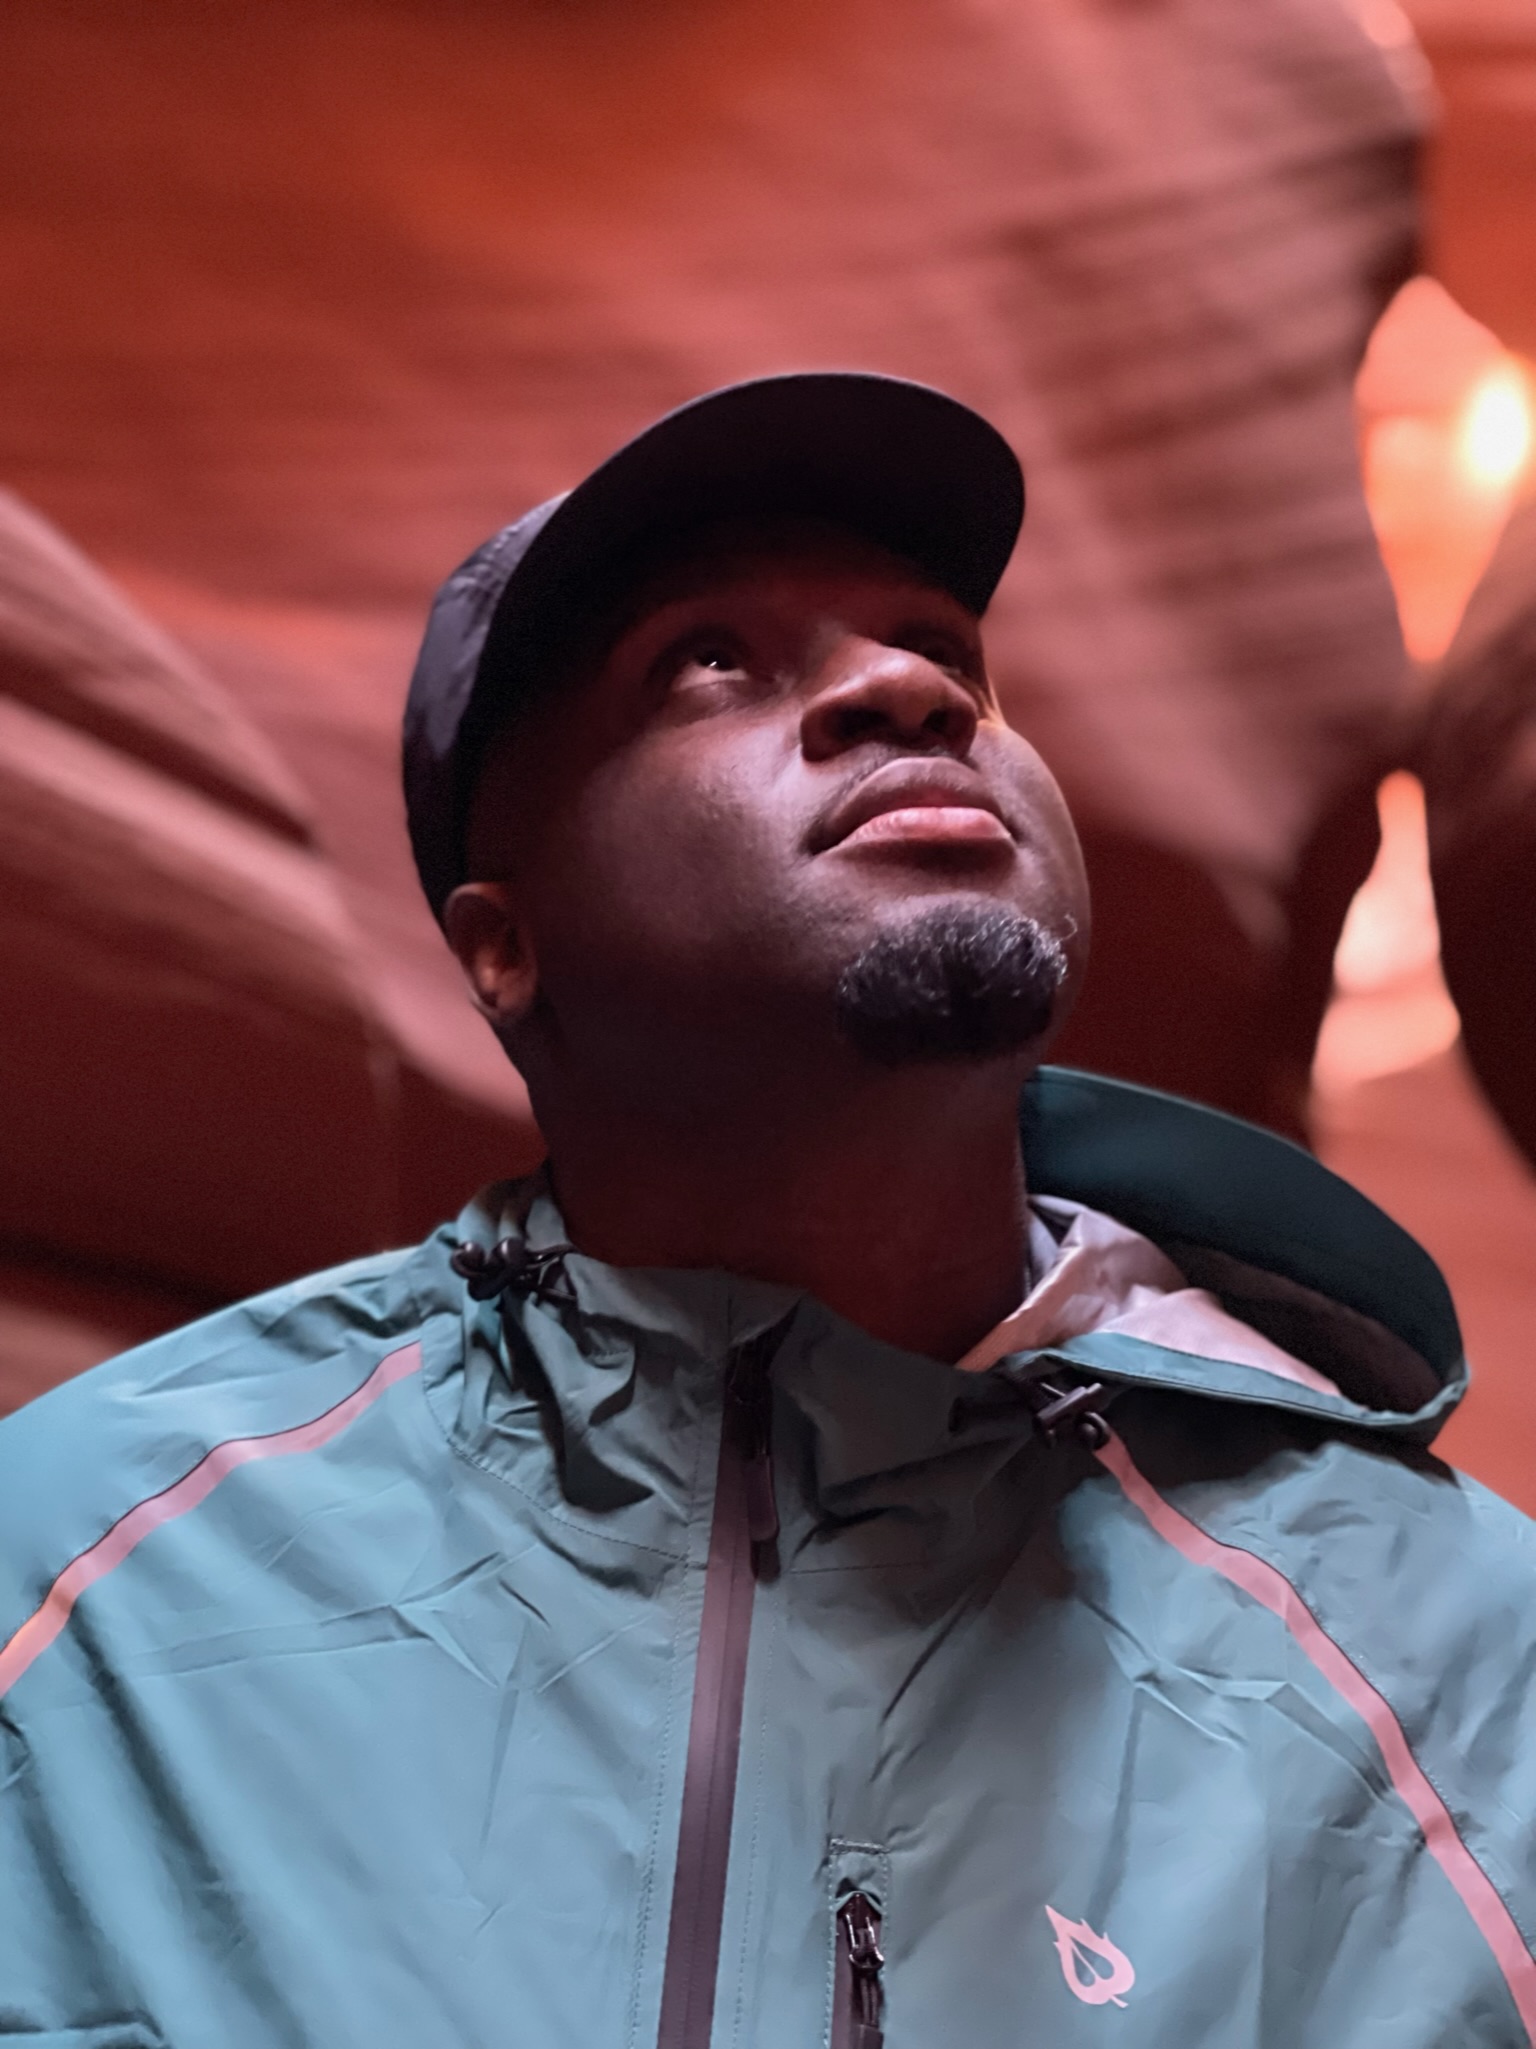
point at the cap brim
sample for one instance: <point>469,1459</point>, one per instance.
<point>899,463</point>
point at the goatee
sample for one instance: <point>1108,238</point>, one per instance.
<point>952,984</point>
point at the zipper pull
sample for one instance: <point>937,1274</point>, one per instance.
<point>762,1507</point>
<point>861,1997</point>
<point>749,1417</point>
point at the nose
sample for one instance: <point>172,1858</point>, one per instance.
<point>874,692</point>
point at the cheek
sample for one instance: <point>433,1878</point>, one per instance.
<point>1052,837</point>
<point>658,857</point>
<point>1066,852</point>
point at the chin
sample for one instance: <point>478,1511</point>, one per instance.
<point>963,978</point>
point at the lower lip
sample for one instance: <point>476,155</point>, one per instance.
<point>930,825</point>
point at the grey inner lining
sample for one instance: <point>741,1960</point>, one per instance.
<point>1363,1359</point>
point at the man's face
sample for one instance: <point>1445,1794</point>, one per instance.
<point>781,799</point>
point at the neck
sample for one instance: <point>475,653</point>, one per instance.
<point>899,1201</point>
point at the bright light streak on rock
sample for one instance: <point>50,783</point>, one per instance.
<point>1495,439</point>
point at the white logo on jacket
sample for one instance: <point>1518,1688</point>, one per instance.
<point>1096,1972</point>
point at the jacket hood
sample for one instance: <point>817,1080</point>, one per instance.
<point>1284,1244</point>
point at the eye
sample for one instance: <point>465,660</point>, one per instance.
<point>946,651</point>
<point>713,655</point>
<point>704,661</point>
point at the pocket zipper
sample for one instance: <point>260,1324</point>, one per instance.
<point>859,1998</point>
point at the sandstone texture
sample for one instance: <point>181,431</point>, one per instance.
<point>302,301</point>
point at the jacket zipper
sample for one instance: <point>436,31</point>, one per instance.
<point>858,1998</point>
<point>742,1548</point>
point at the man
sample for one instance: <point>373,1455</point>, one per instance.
<point>798,1569</point>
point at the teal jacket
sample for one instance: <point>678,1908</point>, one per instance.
<point>640,1658</point>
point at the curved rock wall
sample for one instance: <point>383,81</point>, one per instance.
<point>305,299</point>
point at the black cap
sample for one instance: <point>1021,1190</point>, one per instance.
<point>900,463</point>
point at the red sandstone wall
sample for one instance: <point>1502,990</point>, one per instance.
<point>201,1094</point>
<point>304,300</point>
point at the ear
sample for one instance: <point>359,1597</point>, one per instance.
<point>494,950</point>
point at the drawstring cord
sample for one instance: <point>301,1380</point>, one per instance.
<point>487,1272</point>
<point>1056,1409</point>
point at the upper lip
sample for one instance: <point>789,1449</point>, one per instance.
<point>900,786</point>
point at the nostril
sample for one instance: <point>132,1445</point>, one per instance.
<point>858,722</point>
<point>951,726</point>
<point>893,696</point>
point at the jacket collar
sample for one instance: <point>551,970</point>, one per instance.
<point>1279,1235</point>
